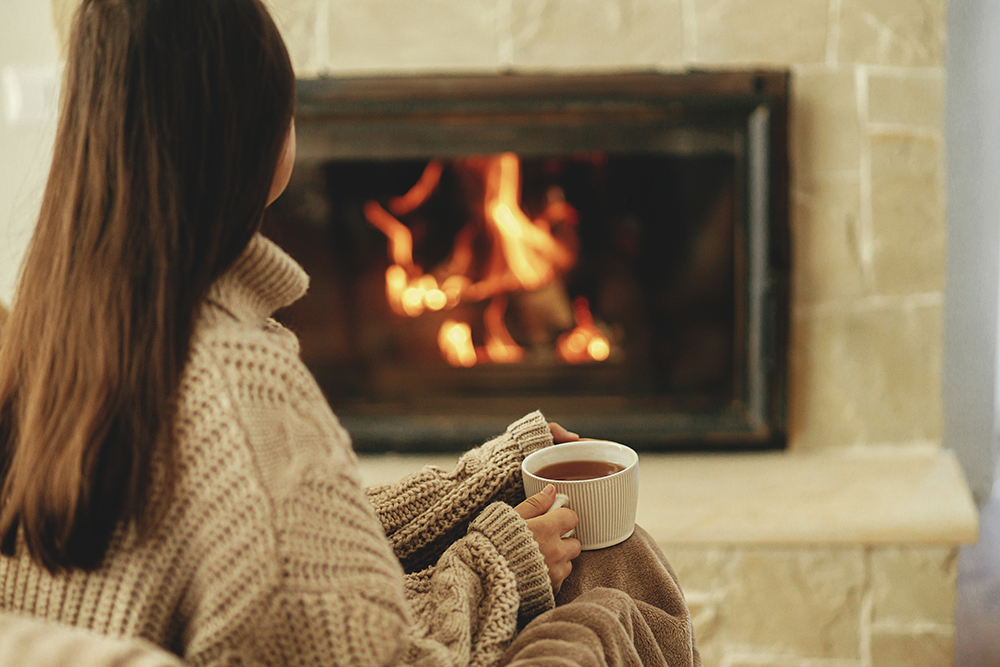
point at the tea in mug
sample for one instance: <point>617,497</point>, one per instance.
<point>569,471</point>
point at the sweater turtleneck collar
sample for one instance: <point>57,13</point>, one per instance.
<point>261,280</point>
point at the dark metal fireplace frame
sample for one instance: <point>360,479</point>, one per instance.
<point>382,118</point>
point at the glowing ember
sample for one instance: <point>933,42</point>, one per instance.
<point>396,282</point>
<point>455,342</point>
<point>585,342</point>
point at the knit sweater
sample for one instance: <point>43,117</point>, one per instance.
<point>269,550</point>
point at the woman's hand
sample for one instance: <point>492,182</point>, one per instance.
<point>548,529</point>
<point>561,435</point>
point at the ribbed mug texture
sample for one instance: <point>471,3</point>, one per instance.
<point>606,505</point>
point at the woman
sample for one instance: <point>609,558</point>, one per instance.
<point>170,470</point>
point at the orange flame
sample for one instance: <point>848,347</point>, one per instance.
<point>419,193</point>
<point>585,342</point>
<point>400,238</point>
<point>524,254</point>
<point>530,249</point>
<point>500,346</point>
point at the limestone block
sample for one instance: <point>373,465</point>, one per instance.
<point>912,650</point>
<point>826,240</point>
<point>908,213</point>
<point>706,624</point>
<point>386,36</point>
<point>892,32</point>
<point>803,602</point>
<point>825,132</point>
<point>914,99</point>
<point>62,17</point>
<point>702,574</point>
<point>700,570</point>
<point>596,34</point>
<point>296,19</point>
<point>914,585</point>
<point>777,32</point>
<point>866,373</point>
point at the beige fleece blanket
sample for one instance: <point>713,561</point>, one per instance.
<point>621,606</point>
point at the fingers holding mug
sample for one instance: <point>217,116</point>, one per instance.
<point>548,524</point>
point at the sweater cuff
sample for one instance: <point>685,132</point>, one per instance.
<point>531,432</point>
<point>510,534</point>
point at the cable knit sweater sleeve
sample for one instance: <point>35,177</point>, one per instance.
<point>425,512</point>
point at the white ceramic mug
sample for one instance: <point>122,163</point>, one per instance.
<point>605,505</point>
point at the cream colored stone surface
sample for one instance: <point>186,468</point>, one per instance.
<point>776,32</point>
<point>824,588</point>
<point>825,131</point>
<point>908,213</point>
<point>408,36</point>
<point>818,605</point>
<point>866,371</point>
<point>849,497</point>
<point>62,16</point>
<point>914,585</point>
<point>826,240</point>
<point>701,568</point>
<point>855,496</point>
<point>892,32</point>
<point>596,34</point>
<point>912,650</point>
<point>707,625</point>
<point>297,21</point>
<point>388,468</point>
<point>914,99</point>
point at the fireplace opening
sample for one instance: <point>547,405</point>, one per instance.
<point>609,249</point>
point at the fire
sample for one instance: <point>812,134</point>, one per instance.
<point>455,342</point>
<point>523,255</point>
<point>585,342</point>
<point>419,193</point>
<point>532,253</point>
<point>400,238</point>
<point>500,347</point>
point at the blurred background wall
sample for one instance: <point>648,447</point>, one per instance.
<point>29,69</point>
<point>972,144</point>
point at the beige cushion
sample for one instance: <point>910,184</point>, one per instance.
<point>29,642</point>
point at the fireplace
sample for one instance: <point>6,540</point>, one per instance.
<point>611,249</point>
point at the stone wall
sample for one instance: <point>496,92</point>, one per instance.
<point>848,606</point>
<point>868,222</point>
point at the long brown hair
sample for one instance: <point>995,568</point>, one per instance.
<point>174,113</point>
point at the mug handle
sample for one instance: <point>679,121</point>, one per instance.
<point>562,500</point>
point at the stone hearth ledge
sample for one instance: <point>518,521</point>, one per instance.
<point>863,495</point>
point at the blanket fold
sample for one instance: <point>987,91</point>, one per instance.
<point>620,607</point>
